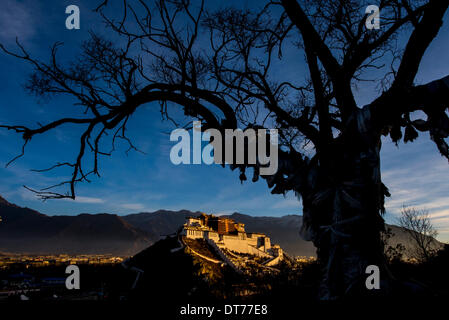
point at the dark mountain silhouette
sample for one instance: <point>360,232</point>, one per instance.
<point>27,231</point>
<point>24,230</point>
<point>161,222</point>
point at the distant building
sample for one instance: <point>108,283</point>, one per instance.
<point>230,235</point>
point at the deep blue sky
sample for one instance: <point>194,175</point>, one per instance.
<point>415,173</point>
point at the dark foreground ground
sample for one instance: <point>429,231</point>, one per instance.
<point>176,283</point>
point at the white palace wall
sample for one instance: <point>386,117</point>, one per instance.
<point>250,243</point>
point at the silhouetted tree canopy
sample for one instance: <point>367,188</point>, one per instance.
<point>228,68</point>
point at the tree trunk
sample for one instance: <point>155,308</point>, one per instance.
<point>342,212</point>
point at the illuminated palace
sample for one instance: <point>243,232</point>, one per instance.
<point>225,233</point>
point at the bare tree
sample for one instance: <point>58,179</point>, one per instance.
<point>220,67</point>
<point>418,225</point>
<point>392,253</point>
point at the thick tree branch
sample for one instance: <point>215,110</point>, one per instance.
<point>311,37</point>
<point>423,34</point>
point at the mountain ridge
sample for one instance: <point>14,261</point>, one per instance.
<point>25,230</point>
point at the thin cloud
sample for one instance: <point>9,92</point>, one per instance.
<point>90,200</point>
<point>17,19</point>
<point>287,204</point>
<point>417,176</point>
<point>133,206</point>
